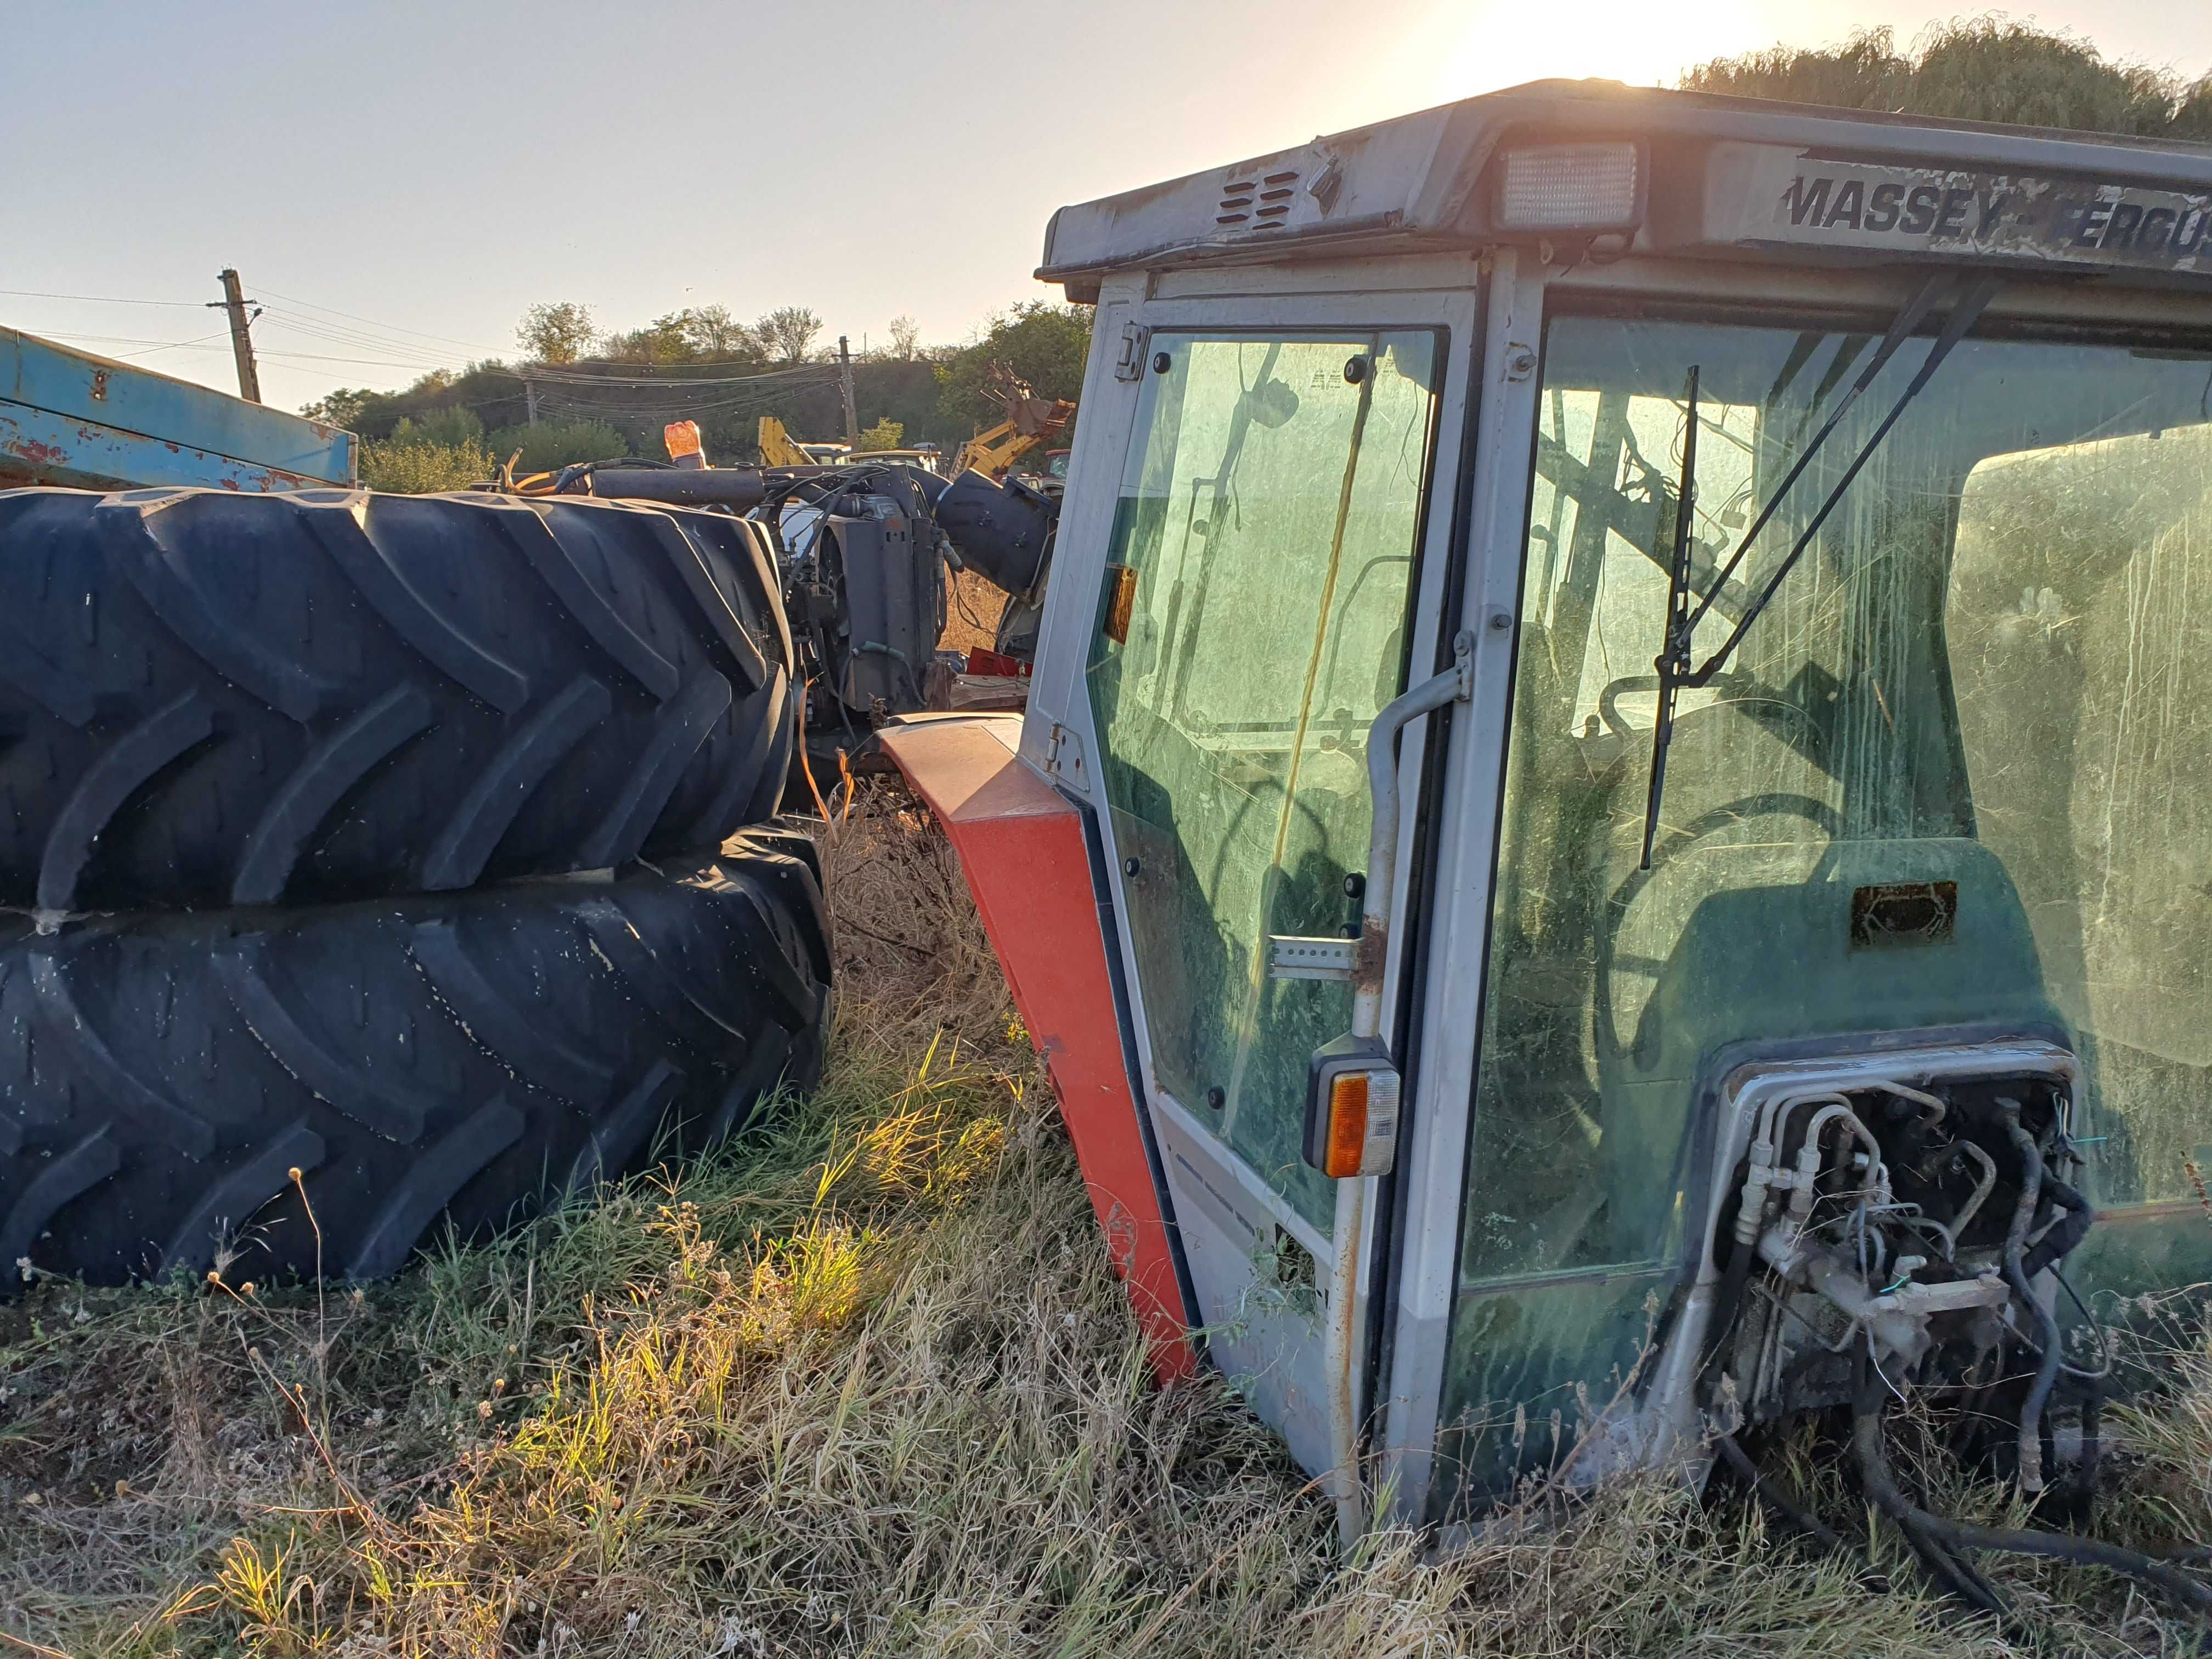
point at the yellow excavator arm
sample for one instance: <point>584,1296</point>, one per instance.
<point>994,451</point>
<point>776,448</point>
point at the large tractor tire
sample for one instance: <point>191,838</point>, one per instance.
<point>209,698</point>
<point>434,1061</point>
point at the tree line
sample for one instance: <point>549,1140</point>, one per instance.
<point>601,392</point>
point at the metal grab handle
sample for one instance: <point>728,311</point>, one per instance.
<point>1455,684</point>
<point>1341,1343</point>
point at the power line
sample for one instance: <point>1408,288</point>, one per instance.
<point>391,327</point>
<point>176,345</point>
<point>194,344</point>
<point>97,298</point>
<point>351,336</point>
<point>576,377</point>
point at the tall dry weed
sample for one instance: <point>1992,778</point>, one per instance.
<point>862,1384</point>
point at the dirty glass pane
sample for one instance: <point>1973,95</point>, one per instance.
<point>1988,677</point>
<point>2023,718</point>
<point>2080,620</point>
<point>1251,628</point>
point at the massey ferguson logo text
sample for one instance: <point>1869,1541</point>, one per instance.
<point>2023,215</point>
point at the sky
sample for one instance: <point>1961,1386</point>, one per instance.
<point>397,182</point>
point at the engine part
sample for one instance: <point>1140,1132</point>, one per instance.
<point>219,698</point>
<point>1003,528</point>
<point>439,1056</point>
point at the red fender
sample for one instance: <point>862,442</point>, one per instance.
<point>1022,845</point>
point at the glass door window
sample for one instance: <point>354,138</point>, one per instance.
<point>1252,625</point>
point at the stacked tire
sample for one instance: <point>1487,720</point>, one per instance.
<point>424,846</point>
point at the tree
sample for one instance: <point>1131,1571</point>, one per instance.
<point>711,331</point>
<point>906,339</point>
<point>1974,69</point>
<point>342,408</point>
<point>1041,342</point>
<point>885,434</point>
<point>664,340</point>
<point>786,332</point>
<point>556,333</point>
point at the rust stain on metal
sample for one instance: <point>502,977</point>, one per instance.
<point>36,454</point>
<point>1374,952</point>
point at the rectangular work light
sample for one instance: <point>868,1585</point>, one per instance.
<point>1564,189</point>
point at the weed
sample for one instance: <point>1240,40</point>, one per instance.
<point>863,1383</point>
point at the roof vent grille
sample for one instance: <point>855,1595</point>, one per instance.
<point>1259,203</point>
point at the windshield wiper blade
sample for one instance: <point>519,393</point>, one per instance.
<point>1973,296</point>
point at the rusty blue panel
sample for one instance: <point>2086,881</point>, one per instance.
<point>68,417</point>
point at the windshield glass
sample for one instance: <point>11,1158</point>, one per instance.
<point>1958,775</point>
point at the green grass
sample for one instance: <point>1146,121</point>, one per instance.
<point>863,1383</point>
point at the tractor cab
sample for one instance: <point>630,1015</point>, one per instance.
<point>1613,829</point>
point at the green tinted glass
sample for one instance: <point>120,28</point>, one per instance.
<point>1987,685</point>
<point>1252,626</point>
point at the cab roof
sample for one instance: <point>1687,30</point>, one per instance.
<point>1717,174</point>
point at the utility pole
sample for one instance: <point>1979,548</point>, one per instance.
<point>241,342</point>
<point>529,395</point>
<point>845,377</point>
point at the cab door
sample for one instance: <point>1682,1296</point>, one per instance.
<point>1275,566</point>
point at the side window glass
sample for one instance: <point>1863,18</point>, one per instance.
<point>1252,625</point>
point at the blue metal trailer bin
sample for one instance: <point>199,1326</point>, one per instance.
<point>68,417</point>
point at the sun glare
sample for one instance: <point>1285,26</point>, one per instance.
<point>1501,44</point>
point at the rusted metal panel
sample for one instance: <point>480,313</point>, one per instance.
<point>68,417</point>
<point>1023,846</point>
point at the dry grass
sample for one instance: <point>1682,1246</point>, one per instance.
<point>971,616</point>
<point>863,1384</point>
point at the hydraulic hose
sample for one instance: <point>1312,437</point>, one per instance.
<point>1768,1492</point>
<point>2047,1326</point>
<point>1955,1576</point>
<point>2072,1228</point>
<point>1873,1470</point>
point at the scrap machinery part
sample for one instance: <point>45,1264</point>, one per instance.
<point>320,1088</point>
<point>1772,1036</point>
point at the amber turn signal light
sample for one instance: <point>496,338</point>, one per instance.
<point>1352,1110</point>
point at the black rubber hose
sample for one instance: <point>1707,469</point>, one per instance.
<point>1769,1493</point>
<point>1874,1471</point>
<point>2056,1244</point>
<point>1881,1486</point>
<point>2046,1325</point>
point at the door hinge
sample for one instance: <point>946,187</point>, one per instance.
<point>1130,365</point>
<point>1063,757</point>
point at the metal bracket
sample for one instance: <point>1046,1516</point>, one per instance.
<point>1292,957</point>
<point>1130,365</point>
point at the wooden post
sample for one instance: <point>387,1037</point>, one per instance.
<point>845,377</point>
<point>241,342</point>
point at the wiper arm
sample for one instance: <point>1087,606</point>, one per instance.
<point>1679,620</point>
<point>1972,298</point>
